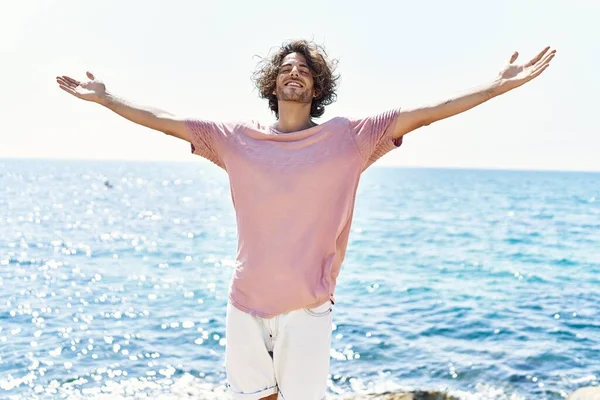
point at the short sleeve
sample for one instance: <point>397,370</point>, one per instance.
<point>206,138</point>
<point>373,136</point>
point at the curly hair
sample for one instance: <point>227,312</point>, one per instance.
<point>321,67</point>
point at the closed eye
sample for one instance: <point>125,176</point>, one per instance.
<point>285,69</point>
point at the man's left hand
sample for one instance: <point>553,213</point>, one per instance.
<point>515,75</point>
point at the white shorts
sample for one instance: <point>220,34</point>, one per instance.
<point>287,354</point>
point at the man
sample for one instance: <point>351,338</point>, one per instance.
<point>293,185</point>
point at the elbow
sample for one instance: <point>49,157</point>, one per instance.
<point>425,121</point>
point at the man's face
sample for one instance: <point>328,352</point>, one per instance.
<point>295,81</point>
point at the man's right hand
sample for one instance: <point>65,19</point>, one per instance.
<point>95,91</point>
<point>90,90</point>
<point>153,118</point>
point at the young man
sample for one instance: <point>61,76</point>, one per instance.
<point>293,185</point>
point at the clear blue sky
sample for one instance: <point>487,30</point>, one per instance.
<point>195,58</point>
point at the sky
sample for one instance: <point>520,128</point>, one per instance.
<point>195,59</point>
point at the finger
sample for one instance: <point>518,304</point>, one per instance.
<point>543,64</point>
<point>514,57</point>
<point>538,71</point>
<point>90,75</point>
<point>62,81</point>
<point>69,79</point>
<point>547,58</point>
<point>65,82</point>
<point>538,57</point>
<point>68,90</point>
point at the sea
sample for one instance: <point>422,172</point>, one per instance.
<point>481,283</point>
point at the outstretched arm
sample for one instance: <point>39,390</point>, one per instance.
<point>511,77</point>
<point>95,91</point>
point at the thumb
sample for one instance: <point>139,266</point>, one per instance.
<point>90,75</point>
<point>513,58</point>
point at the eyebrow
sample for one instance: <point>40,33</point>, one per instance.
<point>290,64</point>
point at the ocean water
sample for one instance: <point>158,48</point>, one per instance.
<point>482,283</point>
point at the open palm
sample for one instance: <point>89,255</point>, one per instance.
<point>516,75</point>
<point>91,90</point>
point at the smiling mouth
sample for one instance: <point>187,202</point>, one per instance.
<point>293,84</point>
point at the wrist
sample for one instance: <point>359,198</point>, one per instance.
<point>104,99</point>
<point>501,86</point>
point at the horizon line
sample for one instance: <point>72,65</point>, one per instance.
<point>376,165</point>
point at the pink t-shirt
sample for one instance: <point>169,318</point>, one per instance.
<point>293,195</point>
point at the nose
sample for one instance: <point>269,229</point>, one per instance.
<point>294,71</point>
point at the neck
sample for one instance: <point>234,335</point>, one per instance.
<point>293,117</point>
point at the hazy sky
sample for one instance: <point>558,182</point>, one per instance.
<point>195,58</point>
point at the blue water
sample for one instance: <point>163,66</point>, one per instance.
<point>483,283</point>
